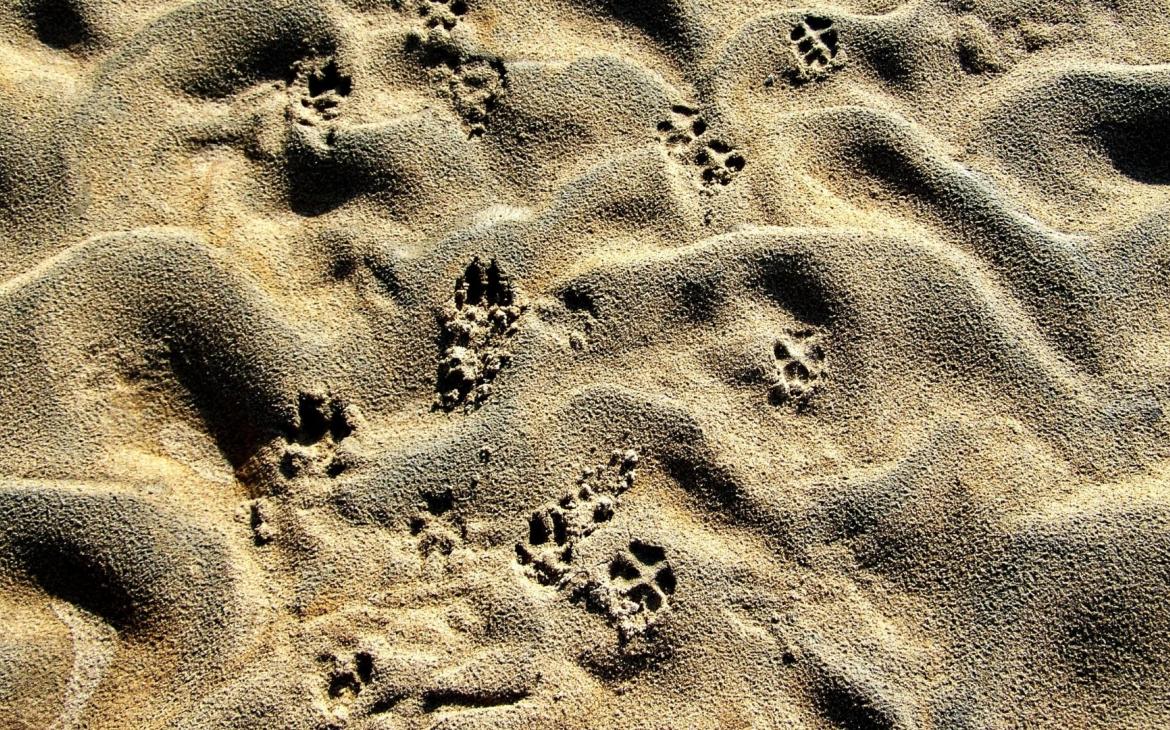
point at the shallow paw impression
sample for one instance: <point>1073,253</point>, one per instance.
<point>686,134</point>
<point>319,90</point>
<point>444,14</point>
<point>474,83</point>
<point>474,330</point>
<point>800,367</point>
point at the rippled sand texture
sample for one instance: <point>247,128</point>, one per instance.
<point>584,364</point>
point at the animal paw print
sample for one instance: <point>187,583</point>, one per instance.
<point>310,448</point>
<point>684,126</point>
<point>800,367</point>
<point>555,529</point>
<point>641,582</point>
<point>815,42</point>
<point>720,162</point>
<point>686,131</point>
<point>347,676</point>
<point>482,316</point>
<point>322,89</point>
<point>442,13</point>
<point>476,88</point>
<point>438,526</point>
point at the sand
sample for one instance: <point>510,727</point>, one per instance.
<point>584,364</point>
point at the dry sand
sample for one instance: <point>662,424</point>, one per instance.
<point>584,364</point>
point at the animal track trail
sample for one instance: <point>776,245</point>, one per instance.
<point>319,89</point>
<point>686,134</point>
<point>555,529</point>
<point>474,330</point>
<point>800,367</point>
<point>636,584</point>
<point>815,42</point>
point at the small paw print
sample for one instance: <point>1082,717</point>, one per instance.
<point>684,126</point>
<point>800,367</point>
<point>720,162</point>
<point>323,89</point>
<point>442,13</point>
<point>815,43</point>
<point>686,134</point>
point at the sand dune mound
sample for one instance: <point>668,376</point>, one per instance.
<point>584,363</point>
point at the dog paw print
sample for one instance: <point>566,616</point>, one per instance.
<point>555,529</point>
<point>683,127</point>
<point>686,134</point>
<point>720,162</point>
<point>323,423</point>
<point>815,43</point>
<point>346,676</point>
<point>444,14</point>
<point>800,367</point>
<point>321,89</point>
<point>640,582</point>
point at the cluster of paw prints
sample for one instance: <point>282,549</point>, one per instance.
<point>635,587</point>
<point>319,90</point>
<point>800,367</point>
<point>686,133</point>
<point>474,330</point>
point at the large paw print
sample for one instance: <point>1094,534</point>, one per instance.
<point>800,367</point>
<point>815,42</point>
<point>474,329</point>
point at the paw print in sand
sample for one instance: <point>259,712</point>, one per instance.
<point>686,133</point>
<point>800,367</point>
<point>555,529</point>
<point>347,676</point>
<point>815,42</point>
<point>474,330</point>
<point>443,14</point>
<point>720,162</point>
<point>310,446</point>
<point>636,584</point>
<point>684,126</point>
<point>640,584</point>
<point>321,89</point>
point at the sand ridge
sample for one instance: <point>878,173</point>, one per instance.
<point>584,363</point>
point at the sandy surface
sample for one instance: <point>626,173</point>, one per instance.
<point>584,364</point>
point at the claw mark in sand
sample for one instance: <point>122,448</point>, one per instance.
<point>474,330</point>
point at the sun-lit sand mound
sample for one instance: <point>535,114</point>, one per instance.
<point>584,364</point>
